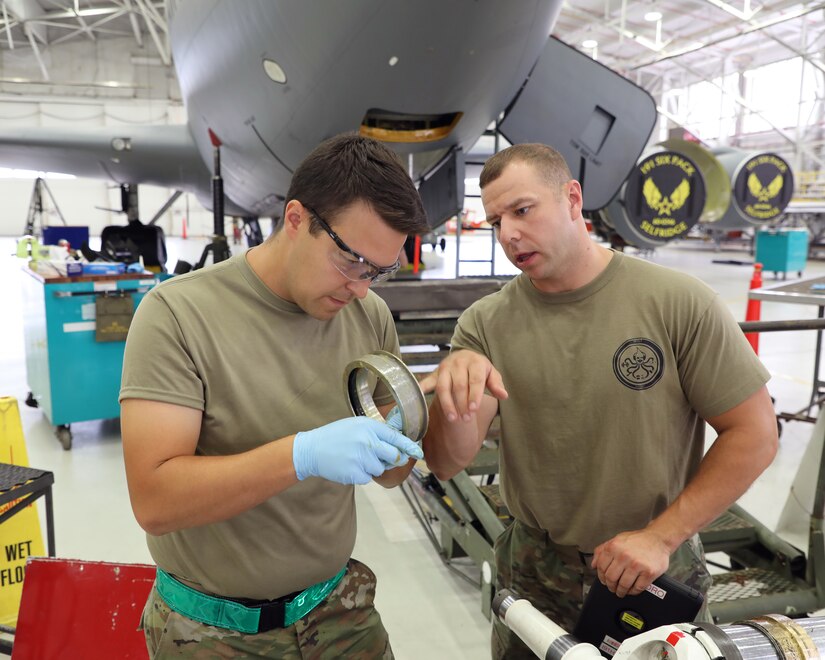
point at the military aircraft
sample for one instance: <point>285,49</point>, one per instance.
<point>270,79</point>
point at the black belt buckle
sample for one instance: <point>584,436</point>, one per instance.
<point>272,615</point>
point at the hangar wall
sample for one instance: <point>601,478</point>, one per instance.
<point>148,93</point>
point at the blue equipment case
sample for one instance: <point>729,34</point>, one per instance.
<point>71,376</point>
<point>782,250</point>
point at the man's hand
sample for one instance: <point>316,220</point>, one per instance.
<point>351,451</point>
<point>460,381</point>
<point>630,561</point>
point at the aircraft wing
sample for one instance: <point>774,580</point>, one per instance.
<point>598,120</point>
<point>157,155</point>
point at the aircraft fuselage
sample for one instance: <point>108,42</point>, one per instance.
<point>279,77</point>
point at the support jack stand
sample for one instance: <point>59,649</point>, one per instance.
<point>218,247</point>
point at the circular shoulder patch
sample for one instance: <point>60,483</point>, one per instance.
<point>638,363</point>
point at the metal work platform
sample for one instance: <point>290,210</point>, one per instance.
<point>767,574</point>
<point>804,292</point>
<point>21,486</point>
<point>435,298</point>
<point>426,311</point>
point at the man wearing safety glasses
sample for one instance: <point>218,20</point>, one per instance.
<point>240,451</point>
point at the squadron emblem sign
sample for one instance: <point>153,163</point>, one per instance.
<point>763,187</point>
<point>665,195</point>
<point>665,205</point>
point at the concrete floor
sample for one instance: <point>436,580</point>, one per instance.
<point>428,610</point>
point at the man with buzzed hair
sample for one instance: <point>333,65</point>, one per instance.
<point>240,449</point>
<point>604,369</point>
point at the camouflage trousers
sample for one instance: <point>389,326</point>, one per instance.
<point>345,625</point>
<point>555,579</point>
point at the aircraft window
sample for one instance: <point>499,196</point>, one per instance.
<point>274,71</point>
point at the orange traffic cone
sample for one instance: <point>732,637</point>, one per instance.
<point>754,310</point>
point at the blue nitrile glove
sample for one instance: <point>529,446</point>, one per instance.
<point>351,451</point>
<point>393,419</point>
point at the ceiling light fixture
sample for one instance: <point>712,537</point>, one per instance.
<point>653,16</point>
<point>589,43</point>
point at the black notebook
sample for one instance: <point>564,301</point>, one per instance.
<point>607,620</point>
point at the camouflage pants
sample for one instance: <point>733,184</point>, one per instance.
<point>345,625</point>
<point>555,579</point>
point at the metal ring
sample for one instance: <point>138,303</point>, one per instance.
<point>400,381</point>
<point>791,638</point>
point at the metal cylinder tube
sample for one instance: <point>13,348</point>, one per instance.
<point>769,637</point>
<point>752,644</point>
<point>778,637</point>
<point>544,637</point>
<point>815,627</point>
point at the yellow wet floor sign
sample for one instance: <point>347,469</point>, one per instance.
<point>20,535</point>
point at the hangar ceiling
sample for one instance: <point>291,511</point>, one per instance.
<point>37,25</point>
<point>693,39</point>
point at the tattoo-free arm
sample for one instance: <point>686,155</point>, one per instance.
<point>746,444</point>
<point>171,488</point>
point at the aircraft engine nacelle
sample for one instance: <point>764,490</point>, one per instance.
<point>678,183</point>
<point>673,186</point>
<point>761,187</point>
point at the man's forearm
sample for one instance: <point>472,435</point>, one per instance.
<point>188,491</point>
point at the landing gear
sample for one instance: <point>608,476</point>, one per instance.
<point>64,436</point>
<point>218,247</point>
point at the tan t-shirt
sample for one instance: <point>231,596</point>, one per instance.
<point>219,340</point>
<point>609,385</point>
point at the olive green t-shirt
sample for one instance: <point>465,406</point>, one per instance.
<point>609,385</point>
<point>219,340</point>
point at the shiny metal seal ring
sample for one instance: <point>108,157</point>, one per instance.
<point>360,378</point>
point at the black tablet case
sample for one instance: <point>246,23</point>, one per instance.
<point>607,620</point>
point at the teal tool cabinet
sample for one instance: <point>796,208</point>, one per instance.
<point>782,250</point>
<point>72,377</point>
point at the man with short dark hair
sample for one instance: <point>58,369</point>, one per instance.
<point>240,450</point>
<point>604,369</point>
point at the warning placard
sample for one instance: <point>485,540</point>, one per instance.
<point>20,535</point>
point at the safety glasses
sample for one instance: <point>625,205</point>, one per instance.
<point>351,264</point>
